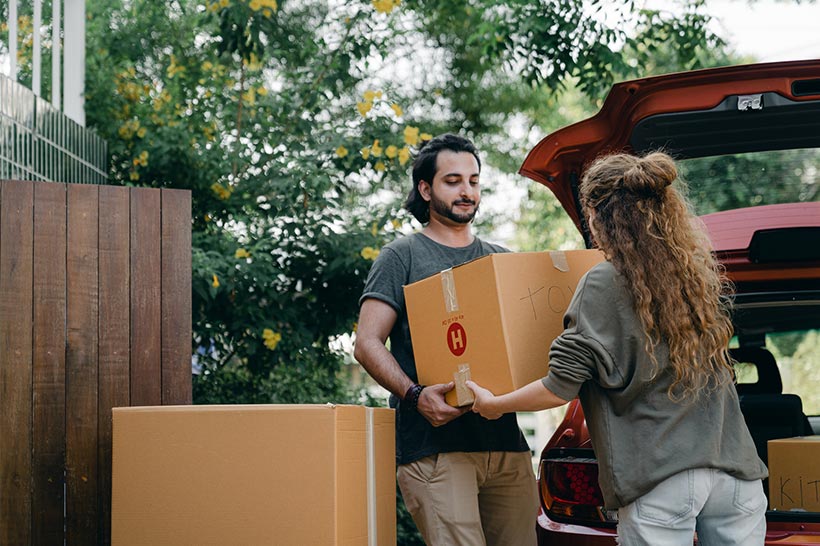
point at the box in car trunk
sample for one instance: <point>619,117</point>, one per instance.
<point>794,474</point>
<point>253,474</point>
<point>494,318</point>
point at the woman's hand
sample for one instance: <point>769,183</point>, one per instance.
<point>484,401</point>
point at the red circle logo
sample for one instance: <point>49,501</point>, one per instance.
<point>456,339</point>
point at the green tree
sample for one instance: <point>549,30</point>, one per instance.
<point>292,123</point>
<point>292,127</point>
<point>262,111</point>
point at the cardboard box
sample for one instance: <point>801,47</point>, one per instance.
<point>794,473</point>
<point>493,318</point>
<point>257,474</point>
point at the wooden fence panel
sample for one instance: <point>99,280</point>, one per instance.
<point>81,364</point>
<point>146,279</point>
<point>48,454</point>
<point>95,313</point>
<point>176,298</point>
<point>115,330</point>
<point>16,256</point>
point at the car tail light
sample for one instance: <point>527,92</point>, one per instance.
<point>568,483</point>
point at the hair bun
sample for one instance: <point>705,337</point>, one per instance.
<point>651,174</point>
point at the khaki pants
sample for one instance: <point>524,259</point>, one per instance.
<point>472,499</point>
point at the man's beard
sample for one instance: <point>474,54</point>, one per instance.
<point>448,212</point>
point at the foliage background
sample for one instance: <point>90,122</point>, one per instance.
<point>292,124</point>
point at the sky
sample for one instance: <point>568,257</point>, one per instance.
<point>769,30</point>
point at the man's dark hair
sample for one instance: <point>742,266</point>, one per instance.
<point>424,168</point>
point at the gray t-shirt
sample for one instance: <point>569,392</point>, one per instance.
<point>405,261</point>
<point>640,435</point>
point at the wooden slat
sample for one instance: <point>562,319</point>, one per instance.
<point>48,455</point>
<point>16,244</point>
<point>81,365</point>
<point>176,297</point>
<point>114,374</point>
<point>146,371</point>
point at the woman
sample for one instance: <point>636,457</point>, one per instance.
<point>645,350</point>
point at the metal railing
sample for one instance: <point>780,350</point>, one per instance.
<point>38,142</point>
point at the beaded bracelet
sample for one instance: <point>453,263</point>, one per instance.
<point>412,395</point>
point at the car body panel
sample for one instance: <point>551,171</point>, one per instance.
<point>731,233</point>
<point>627,104</point>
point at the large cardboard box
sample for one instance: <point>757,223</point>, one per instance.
<point>492,319</point>
<point>794,473</point>
<point>252,475</point>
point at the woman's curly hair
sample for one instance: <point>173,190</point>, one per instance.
<point>644,226</point>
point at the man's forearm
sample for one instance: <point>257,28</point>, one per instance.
<point>382,366</point>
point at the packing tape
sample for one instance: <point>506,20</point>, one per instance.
<point>372,536</point>
<point>448,283</point>
<point>559,260</point>
<point>464,395</point>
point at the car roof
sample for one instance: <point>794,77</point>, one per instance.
<point>733,109</point>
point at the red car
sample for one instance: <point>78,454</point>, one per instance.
<point>743,135</point>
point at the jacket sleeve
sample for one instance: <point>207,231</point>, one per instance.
<point>584,351</point>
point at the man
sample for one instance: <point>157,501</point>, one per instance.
<point>466,480</point>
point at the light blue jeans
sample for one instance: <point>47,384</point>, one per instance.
<point>724,510</point>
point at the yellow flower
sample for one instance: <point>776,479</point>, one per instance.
<point>404,155</point>
<point>391,152</point>
<point>374,229</point>
<point>143,158</point>
<point>267,4</point>
<point>375,149</point>
<point>253,63</point>
<point>396,223</point>
<point>261,90</point>
<point>397,109</point>
<point>221,191</point>
<point>174,68</point>
<point>207,65</point>
<point>379,166</point>
<point>249,96</point>
<point>141,132</point>
<point>364,107</point>
<point>369,253</point>
<point>341,151</point>
<point>369,96</point>
<point>134,176</point>
<point>128,129</point>
<point>411,135</point>
<point>385,6</point>
<point>271,338</point>
<point>426,136</point>
<point>224,3</point>
<point>365,152</point>
<point>241,253</point>
<point>215,282</point>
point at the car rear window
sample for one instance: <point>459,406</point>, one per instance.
<point>744,180</point>
<point>797,354</point>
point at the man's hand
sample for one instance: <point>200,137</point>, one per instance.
<point>484,401</point>
<point>433,406</point>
